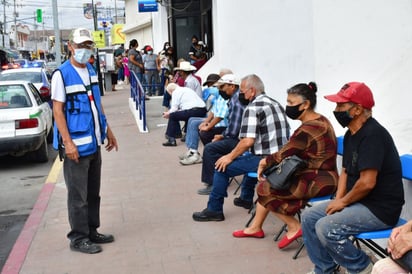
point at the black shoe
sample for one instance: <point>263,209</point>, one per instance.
<point>85,246</point>
<point>169,144</point>
<point>205,191</point>
<point>207,215</point>
<point>242,203</point>
<point>98,238</point>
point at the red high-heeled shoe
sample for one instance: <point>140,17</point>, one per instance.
<point>287,241</point>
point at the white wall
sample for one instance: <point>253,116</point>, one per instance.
<point>328,41</point>
<point>138,25</point>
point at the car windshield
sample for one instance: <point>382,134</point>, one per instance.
<point>14,96</point>
<point>29,76</point>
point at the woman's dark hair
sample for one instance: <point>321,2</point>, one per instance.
<point>195,37</point>
<point>165,44</point>
<point>133,43</point>
<point>307,91</point>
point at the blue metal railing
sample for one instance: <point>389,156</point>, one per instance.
<point>138,96</point>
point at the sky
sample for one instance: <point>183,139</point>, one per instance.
<point>71,13</point>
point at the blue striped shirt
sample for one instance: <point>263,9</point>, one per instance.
<point>220,109</point>
<point>235,117</point>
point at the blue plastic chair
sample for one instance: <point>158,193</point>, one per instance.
<point>406,161</point>
<point>339,149</point>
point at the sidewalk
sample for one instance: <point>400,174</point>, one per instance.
<point>147,203</point>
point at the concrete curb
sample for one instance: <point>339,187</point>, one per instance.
<point>21,247</point>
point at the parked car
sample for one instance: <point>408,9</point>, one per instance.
<point>37,76</point>
<point>24,63</point>
<point>38,64</point>
<point>25,121</point>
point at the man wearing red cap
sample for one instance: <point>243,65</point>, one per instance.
<point>151,65</point>
<point>370,191</point>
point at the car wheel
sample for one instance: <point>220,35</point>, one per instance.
<point>42,154</point>
<point>50,136</point>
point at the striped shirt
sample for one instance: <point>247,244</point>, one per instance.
<point>264,120</point>
<point>234,118</point>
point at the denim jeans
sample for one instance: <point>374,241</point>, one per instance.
<point>83,198</point>
<point>326,237</point>
<point>211,153</point>
<point>192,132</point>
<point>151,77</point>
<point>241,165</point>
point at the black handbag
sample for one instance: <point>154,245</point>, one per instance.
<point>405,261</point>
<point>279,175</point>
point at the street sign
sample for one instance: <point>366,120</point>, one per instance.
<point>99,39</point>
<point>147,5</point>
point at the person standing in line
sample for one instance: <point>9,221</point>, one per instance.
<point>151,73</point>
<point>80,131</point>
<point>135,61</point>
<point>370,192</point>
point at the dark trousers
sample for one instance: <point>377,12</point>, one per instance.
<point>211,153</point>
<point>83,200</point>
<point>173,126</point>
<point>207,136</point>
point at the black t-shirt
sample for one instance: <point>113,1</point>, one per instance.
<point>372,147</point>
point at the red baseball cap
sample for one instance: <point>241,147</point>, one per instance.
<point>354,92</point>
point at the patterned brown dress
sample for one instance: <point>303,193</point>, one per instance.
<point>315,142</point>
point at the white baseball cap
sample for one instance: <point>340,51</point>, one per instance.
<point>81,35</point>
<point>228,79</point>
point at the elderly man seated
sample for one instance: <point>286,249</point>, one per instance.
<point>185,104</point>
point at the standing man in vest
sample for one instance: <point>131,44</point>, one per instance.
<point>80,130</point>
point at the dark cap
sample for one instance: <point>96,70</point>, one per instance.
<point>211,79</point>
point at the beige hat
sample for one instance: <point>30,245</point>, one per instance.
<point>81,35</point>
<point>228,79</point>
<point>185,66</point>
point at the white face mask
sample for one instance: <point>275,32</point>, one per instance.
<point>82,55</point>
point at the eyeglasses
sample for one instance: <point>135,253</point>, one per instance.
<point>85,45</point>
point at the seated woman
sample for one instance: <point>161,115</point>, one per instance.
<point>315,142</point>
<point>400,249</point>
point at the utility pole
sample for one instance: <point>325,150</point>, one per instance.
<point>15,25</point>
<point>57,44</point>
<point>99,73</point>
<point>4,20</point>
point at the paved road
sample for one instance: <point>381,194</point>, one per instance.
<point>20,184</point>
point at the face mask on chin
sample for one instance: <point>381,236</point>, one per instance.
<point>243,100</point>
<point>293,112</point>
<point>82,55</point>
<point>224,95</point>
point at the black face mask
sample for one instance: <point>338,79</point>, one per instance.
<point>293,112</point>
<point>243,100</point>
<point>343,117</point>
<point>224,95</point>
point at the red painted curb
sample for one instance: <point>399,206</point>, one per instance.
<point>21,247</point>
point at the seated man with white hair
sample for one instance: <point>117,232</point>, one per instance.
<point>185,104</point>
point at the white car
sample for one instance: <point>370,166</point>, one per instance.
<point>37,76</point>
<point>25,121</point>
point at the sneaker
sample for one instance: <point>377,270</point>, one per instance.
<point>367,270</point>
<point>85,246</point>
<point>184,155</point>
<point>193,158</point>
<point>205,191</point>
